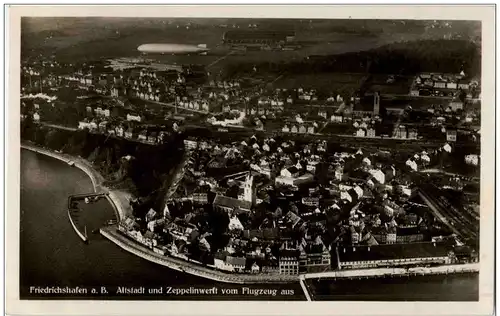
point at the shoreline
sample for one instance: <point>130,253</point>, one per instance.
<point>117,199</point>
<point>111,233</point>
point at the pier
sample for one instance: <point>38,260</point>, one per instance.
<point>82,235</point>
<point>304,287</point>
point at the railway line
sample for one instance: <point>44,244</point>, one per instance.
<point>459,221</point>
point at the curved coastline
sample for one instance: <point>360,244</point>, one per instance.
<point>116,198</point>
<point>118,201</point>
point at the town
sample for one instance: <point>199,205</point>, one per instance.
<point>284,174</point>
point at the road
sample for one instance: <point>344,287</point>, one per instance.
<point>172,104</point>
<point>67,128</point>
<point>177,177</point>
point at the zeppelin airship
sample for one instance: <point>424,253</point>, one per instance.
<point>173,49</point>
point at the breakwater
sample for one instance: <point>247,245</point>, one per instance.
<point>78,232</point>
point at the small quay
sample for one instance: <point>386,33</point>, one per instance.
<point>74,212</point>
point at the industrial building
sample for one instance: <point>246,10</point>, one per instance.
<point>259,39</point>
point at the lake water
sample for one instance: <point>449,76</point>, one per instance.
<point>52,254</point>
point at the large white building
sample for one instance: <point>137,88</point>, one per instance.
<point>389,255</point>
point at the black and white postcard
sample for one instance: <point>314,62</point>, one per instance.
<point>250,160</point>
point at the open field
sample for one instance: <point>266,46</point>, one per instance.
<point>77,39</point>
<point>330,81</point>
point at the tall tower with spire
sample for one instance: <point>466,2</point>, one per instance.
<point>376,104</point>
<point>249,192</point>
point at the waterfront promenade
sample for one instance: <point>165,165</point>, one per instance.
<point>112,233</point>
<point>382,272</point>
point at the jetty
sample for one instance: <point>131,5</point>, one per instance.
<point>83,235</point>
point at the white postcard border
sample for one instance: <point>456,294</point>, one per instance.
<point>458,12</point>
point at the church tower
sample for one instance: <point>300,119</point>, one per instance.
<point>249,193</point>
<point>376,104</point>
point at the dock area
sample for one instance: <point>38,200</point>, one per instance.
<point>394,272</point>
<point>73,211</point>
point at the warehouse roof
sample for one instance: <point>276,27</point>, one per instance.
<point>392,251</point>
<point>257,35</point>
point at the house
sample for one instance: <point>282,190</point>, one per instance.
<point>294,129</point>
<point>463,85</point>
<point>339,172</point>
<point>199,198</point>
<point>237,263</point>
<point>456,105</point>
<point>143,136</point>
<point>451,85</point>
<point>451,135</point>
<point>93,126</point>
<point>360,133</point>
<point>401,132</point>
<point>310,201</point>
<point>235,224</point>
<point>136,118</point>
<point>295,181</point>
<point>288,263</point>
<point>414,92</point>
<point>370,132</point>
<point>472,159</point>
<point>230,204</point>
<point>180,229</point>
<point>310,130</point>
<point>83,125</point>
<point>439,84</point>
<point>119,131</point>
<point>390,255</point>
<point>262,234</point>
<point>302,129</point>
<point>412,134</point>
<point>409,235</point>
<point>103,126</point>
<point>129,133</point>
<point>36,117</point>
<point>290,172</point>
<point>255,268</point>
<point>220,261</point>
<point>152,138</point>
<point>322,113</point>
<point>315,256</point>
<point>293,219</point>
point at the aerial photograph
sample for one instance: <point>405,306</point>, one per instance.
<point>249,159</point>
